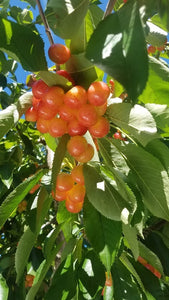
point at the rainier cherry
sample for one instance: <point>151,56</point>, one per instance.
<point>42,125</point>
<point>77,174</point>
<point>74,207</point>
<point>87,115</point>
<point>64,182</point>
<point>53,98</point>
<point>31,114</point>
<point>98,92</point>
<point>65,74</point>
<point>58,127</point>
<point>75,128</point>
<point>77,193</point>
<point>59,53</point>
<point>75,97</point>
<point>100,128</point>
<point>39,87</point>
<point>86,155</point>
<point>59,195</point>
<point>77,145</point>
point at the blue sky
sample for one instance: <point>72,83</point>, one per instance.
<point>20,73</point>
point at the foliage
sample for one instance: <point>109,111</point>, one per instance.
<point>117,246</point>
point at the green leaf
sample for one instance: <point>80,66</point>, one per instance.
<point>58,158</point>
<point>91,276</point>
<point>4,290</point>
<point>156,36</point>
<point>135,120</point>
<point>151,178</point>
<point>161,151</point>
<point>6,174</point>
<point>43,204</point>
<point>54,79</point>
<point>64,283</point>
<point>103,196</point>
<point>130,234</point>
<point>151,257</point>
<point>23,251</point>
<point>82,71</point>
<point>50,241</point>
<point>124,285</point>
<point>11,115</point>
<point>107,239</point>
<point>157,87</point>
<point>69,15</point>
<point>17,195</point>
<point>121,49</point>
<point>3,81</point>
<point>160,114</point>
<point>12,38</point>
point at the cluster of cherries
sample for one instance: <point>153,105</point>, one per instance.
<point>73,112</point>
<point>152,49</point>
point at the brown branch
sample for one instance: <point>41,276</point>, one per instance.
<point>45,22</point>
<point>109,8</point>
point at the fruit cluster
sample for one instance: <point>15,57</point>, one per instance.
<point>152,49</point>
<point>29,280</point>
<point>73,112</point>
<point>70,187</point>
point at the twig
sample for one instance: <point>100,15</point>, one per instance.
<point>109,8</point>
<point>44,20</point>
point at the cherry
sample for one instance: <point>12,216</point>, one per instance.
<point>151,49</point>
<point>101,109</point>
<point>35,188</point>
<point>100,128</point>
<point>31,114</point>
<point>73,207</point>
<point>59,53</point>
<point>87,115</point>
<point>59,195</point>
<point>53,98</point>
<point>42,125</point>
<point>35,102</point>
<point>77,174</point>
<point>58,127</point>
<point>77,193</point>
<point>86,155</point>
<point>77,145</point>
<point>98,92</point>
<point>45,112</point>
<point>75,128</point>
<point>39,87</point>
<point>64,182</point>
<point>75,97</point>
<point>66,113</point>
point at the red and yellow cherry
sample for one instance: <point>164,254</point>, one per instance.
<point>31,114</point>
<point>35,102</point>
<point>59,195</point>
<point>66,113</point>
<point>77,145</point>
<point>64,182</point>
<point>65,74</point>
<point>87,115</point>
<point>35,188</point>
<point>59,53</point>
<point>58,127</point>
<point>101,109</point>
<point>42,125</point>
<point>39,87</point>
<point>53,98</point>
<point>75,97</point>
<point>29,280</point>
<point>100,128</point>
<point>98,92</point>
<point>45,112</point>
<point>151,49</point>
<point>86,155</point>
<point>75,128</point>
<point>73,207</point>
<point>77,193</point>
<point>77,174</point>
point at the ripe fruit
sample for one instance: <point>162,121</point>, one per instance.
<point>31,114</point>
<point>151,49</point>
<point>77,174</point>
<point>59,195</point>
<point>45,112</point>
<point>100,128</point>
<point>86,155</point>
<point>65,74</point>
<point>43,125</point>
<point>98,92</point>
<point>77,145</point>
<point>87,115</point>
<point>59,53</point>
<point>29,280</point>
<point>76,194</point>
<point>35,102</point>
<point>75,97</point>
<point>74,207</point>
<point>53,98</point>
<point>117,135</point>
<point>58,127</point>
<point>75,128</point>
<point>64,182</point>
<point>39,88</point>
<point>35,188</point>
<point>101,109</point>
<point>66,113</point>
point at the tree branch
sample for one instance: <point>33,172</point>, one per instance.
<point>109,8</point>
<point>45,22</point>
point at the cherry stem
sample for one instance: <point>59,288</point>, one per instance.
<point>46,25</point>
<point>109,8</point>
